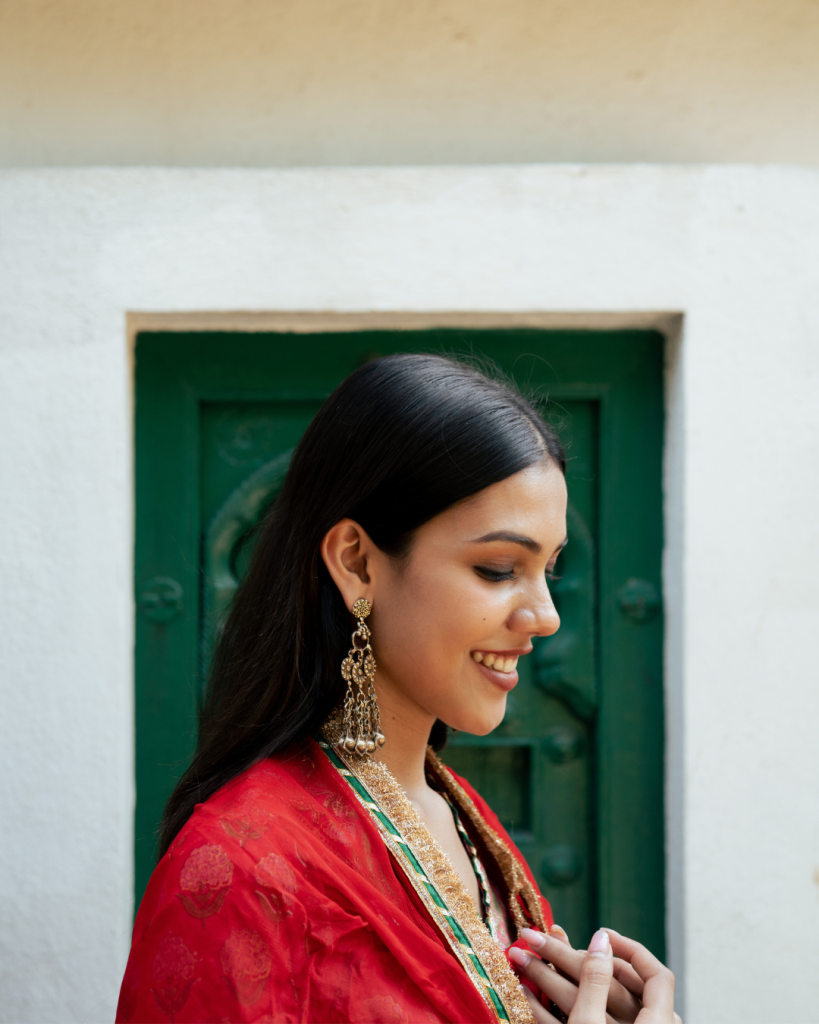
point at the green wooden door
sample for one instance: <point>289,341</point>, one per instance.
<point>576,769</point>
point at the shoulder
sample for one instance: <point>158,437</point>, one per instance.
<point>248,877</point>
<point>266,801</point>
<point>284,808</point>
<point>238,890</point>
<point>245,807</point>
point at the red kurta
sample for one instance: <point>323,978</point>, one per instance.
<point>279,901</point>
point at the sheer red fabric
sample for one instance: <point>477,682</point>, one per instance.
<point>278,901</point>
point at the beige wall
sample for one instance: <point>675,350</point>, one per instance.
<point>289,82</point>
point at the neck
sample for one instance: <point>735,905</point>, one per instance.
<point>407,728</point>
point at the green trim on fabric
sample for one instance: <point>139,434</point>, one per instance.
<point>457,931</point>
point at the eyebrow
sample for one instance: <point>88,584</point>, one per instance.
<point>516,538</point>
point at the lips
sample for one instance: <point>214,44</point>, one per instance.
<point>499,662</point>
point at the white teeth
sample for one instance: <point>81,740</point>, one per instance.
<point>498,662</point>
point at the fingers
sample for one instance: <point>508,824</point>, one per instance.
<point>595,979</point>
<point>658,987</point>
<point>639,982</point>
<point>559,953</point>
<point>625,974</point>
<point>560,990</point>
<point>622,1004</point>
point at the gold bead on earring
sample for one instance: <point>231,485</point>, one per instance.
<point>361,724</point>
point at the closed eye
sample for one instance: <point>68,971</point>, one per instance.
<point>494,575</point>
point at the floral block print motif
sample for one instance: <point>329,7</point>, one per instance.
<point>274,873</point>
<point>173,972</point>
<point>248,821</point>
<point>312,921</point>
<point>205,880</point>
<point>246,961</point>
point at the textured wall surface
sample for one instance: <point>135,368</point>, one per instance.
<point>735,250</point>
<point>338,82</point>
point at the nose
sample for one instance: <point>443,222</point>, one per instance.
<point>536,615</point>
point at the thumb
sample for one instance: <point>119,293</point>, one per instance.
<point>595,978</point>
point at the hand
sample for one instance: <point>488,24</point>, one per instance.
<point>640,988</point>
<point>585,1002</point>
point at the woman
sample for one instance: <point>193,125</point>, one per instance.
<point>319,863</point>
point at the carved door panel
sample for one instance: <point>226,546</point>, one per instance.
<point>245,453</point>
<point>217,419</point>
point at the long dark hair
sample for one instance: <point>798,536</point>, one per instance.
<point>399,441</point>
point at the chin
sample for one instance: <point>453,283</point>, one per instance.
<point>477,722</point>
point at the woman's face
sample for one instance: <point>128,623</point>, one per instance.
<point>469,598</point>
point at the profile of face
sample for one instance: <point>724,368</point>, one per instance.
<point>451,620</point>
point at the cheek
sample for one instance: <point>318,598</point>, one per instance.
<point>444,610</point>
<point>422,619</point>
<point>432,621</point>
<point>428,626</point>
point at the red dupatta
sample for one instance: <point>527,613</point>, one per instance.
<point>284,898</point>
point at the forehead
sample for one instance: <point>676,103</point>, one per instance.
<point>532,501</point>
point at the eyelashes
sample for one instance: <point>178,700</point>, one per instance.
<point>494,575</point>
<point>499,576</point>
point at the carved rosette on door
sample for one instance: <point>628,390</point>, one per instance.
<point>160,599</point>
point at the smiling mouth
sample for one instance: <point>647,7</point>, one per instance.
<point>496,661</point>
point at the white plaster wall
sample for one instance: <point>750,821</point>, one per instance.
<point>736,249</point>
<point>335,82</point>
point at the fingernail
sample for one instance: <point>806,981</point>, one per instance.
<point>534,938</point>
<point>557,930</point>
<point>613,932</point>
<point>519,956</point>
<point>600,945</point>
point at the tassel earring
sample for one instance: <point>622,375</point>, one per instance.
<point>361,723</point>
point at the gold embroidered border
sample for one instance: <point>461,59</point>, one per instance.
<point>517,882</point>
<point>434,911</point>
<point>394,803</point>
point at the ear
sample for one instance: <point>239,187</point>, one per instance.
<point>348,554</point>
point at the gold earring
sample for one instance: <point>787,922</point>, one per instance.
<point>361,723</point>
